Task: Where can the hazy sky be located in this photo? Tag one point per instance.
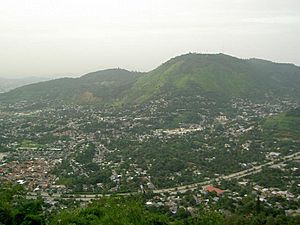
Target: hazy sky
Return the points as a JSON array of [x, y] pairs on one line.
[[72, 37]]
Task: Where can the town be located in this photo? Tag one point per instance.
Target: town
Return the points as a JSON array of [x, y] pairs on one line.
[[70, 149]]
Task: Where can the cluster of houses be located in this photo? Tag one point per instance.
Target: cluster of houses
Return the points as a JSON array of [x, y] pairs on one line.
[[35, 174], [66, 130]]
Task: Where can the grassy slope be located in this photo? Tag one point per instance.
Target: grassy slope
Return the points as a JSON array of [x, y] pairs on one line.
[[94, 87], [286, 125], [222, 74]]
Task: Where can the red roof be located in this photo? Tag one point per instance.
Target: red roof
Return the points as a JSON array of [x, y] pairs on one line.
[[214, 189]]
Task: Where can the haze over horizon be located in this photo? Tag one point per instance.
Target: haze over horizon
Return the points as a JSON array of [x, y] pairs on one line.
[[54, 38]]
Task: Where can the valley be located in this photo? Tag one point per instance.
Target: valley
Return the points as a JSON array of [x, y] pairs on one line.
[[179, 136], [73, 150]]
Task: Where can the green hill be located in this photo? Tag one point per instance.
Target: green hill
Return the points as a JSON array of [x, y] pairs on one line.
[[190, 74], [217, 74], [100, 86], [285, 125]]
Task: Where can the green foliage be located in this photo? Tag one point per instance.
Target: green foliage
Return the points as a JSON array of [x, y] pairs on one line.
[[15, 209], [117, 211], [216, 75], [285, 125], [101, 86], [208, 218]]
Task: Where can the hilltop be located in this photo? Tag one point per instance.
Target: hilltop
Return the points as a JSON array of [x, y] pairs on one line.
[[216, 75], [7, 84], [100, 86]]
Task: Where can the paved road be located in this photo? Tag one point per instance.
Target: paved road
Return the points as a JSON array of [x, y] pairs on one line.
[[236, 175], [182, 189]]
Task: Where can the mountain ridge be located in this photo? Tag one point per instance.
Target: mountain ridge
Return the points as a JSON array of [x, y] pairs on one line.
[[217, 73], [7, 84], [192, 73]]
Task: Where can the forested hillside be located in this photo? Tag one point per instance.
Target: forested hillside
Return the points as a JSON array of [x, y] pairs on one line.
[[215, 75]]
